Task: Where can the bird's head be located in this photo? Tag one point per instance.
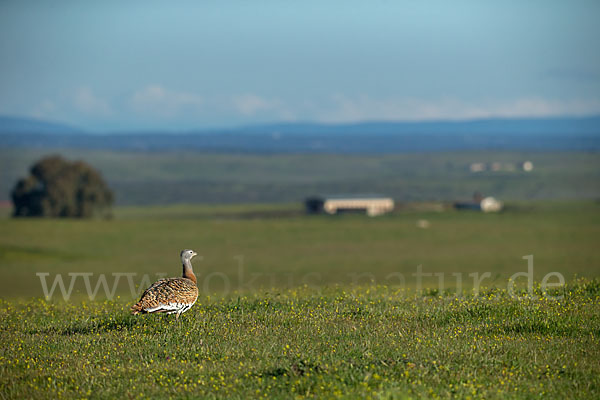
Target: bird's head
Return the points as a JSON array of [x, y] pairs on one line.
[[187, 255]]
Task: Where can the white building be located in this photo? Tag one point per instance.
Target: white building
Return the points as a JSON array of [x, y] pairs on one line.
[[371, 205], [477, 167], [527, 166], [490, 204]]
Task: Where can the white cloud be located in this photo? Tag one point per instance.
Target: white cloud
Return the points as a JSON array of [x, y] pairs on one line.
[[45, 109], [86, 101], [363, 108], [158, 106], [538, 107], [157, 100], [250, 105]]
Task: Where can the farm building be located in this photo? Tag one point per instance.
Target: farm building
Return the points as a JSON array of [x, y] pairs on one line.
[[372, 205], [527, 166], [497, 166], [485, 204]]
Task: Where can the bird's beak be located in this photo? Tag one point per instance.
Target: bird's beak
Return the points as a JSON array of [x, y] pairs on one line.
[[194, 254]]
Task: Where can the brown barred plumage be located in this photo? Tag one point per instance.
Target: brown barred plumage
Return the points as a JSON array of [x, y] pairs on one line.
[[171, 295]]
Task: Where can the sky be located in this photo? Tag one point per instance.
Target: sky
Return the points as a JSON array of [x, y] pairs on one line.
[[184, 65]]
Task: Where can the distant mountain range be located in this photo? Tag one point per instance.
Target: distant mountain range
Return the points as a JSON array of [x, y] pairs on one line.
[[543, 134], [14, 125]]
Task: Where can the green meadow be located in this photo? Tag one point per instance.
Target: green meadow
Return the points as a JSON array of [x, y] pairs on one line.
[[338, 342], [298, 306], [252, 247]]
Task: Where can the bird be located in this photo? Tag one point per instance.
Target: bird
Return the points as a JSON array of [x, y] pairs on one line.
[[171, 295]]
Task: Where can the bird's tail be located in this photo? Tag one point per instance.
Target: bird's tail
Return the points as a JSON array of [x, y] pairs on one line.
[[136, 308]]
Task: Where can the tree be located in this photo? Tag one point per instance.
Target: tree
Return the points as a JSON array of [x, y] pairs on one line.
[[60, 188]]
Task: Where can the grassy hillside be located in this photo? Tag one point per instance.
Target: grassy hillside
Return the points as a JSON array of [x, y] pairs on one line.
[[195, 177]]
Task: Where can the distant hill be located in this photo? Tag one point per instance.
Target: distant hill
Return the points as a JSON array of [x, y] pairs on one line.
[[546, 134], [14, 125], [506, 126]]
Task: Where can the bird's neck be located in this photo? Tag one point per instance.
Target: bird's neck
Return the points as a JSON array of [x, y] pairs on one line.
[[188, 272]]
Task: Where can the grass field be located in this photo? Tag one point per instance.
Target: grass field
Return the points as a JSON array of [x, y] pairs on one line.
[[305, 306], [365, 342], [259, 246]]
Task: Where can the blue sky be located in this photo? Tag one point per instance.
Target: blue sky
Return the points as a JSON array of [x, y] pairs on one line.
[[131, 65]]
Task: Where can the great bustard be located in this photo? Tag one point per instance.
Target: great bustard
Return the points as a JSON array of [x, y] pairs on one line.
[[171, 295]]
